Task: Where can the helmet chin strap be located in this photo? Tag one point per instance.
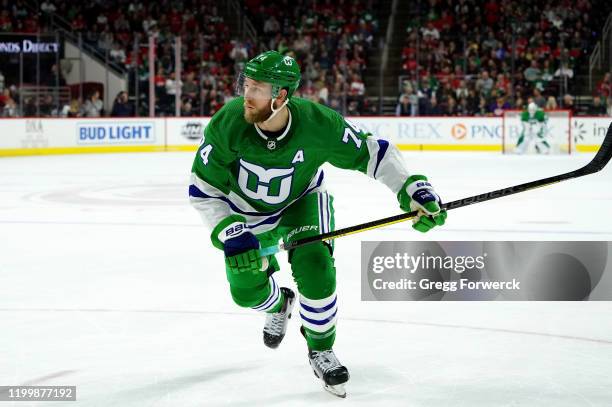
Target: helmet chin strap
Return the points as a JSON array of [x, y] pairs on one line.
[[275, 111]]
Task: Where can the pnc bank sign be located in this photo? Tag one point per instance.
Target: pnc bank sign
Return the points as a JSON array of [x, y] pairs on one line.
[[28, 47], [459, 131]]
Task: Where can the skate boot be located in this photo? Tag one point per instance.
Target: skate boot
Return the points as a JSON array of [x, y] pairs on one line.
[[328, 368], [276, 322]]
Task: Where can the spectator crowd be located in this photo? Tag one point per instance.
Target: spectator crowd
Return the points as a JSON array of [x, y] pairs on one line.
[[330, 39], [456, 59]]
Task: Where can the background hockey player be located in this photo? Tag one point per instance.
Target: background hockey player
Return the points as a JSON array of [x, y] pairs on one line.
[[533, 129], [256, 179]]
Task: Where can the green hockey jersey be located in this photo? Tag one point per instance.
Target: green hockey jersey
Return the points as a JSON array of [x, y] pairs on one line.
[[535, 124], [238, 170]]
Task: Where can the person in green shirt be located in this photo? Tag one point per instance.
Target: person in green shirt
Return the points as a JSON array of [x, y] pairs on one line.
[[533, 128], [257, 179]]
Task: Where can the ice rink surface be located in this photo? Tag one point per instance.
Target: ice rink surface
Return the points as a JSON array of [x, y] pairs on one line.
[[108, 282]]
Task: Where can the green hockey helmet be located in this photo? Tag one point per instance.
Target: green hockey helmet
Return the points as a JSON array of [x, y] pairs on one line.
[[281, 71]]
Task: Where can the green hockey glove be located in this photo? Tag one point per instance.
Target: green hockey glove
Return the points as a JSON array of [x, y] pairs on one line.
[[417, 194]]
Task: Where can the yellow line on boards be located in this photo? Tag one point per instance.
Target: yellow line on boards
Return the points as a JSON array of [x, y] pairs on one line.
[[449, 147], [587, 149], [192, 147], [188, 147], [476, 147]]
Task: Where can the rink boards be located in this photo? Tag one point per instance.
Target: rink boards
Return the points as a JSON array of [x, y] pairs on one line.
[[32, 136]]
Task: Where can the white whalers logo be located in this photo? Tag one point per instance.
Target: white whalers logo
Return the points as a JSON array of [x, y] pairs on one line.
[[269, 185]]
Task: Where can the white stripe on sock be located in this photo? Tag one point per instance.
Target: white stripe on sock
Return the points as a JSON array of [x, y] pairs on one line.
[[272, 299], [323, 302], [319, 328]]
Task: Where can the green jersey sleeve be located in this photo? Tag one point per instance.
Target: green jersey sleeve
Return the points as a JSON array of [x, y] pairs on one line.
[[357, 149], [210, 176], [348, 147], [213, 159]]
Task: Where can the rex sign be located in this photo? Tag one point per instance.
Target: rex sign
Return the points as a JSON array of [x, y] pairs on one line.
[[438, 130]]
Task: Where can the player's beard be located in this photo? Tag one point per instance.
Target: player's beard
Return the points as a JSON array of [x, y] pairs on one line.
[[257, 115]]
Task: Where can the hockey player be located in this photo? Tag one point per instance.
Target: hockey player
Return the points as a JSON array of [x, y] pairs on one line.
[[533, 128], [257, 179]]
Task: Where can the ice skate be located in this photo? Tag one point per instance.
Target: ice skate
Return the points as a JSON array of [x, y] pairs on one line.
[[327, 367], [276, 323]]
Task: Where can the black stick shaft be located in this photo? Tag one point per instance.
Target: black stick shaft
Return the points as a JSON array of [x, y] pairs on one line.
[[597, 163]]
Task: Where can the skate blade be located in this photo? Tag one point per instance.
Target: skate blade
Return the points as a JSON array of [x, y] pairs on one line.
[[337, 390]]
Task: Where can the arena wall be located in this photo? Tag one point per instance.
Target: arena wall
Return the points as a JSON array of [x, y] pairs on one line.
[[32, 136]]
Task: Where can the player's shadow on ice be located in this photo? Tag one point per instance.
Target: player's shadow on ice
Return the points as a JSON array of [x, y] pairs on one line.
[[176, 388], [317, 395]]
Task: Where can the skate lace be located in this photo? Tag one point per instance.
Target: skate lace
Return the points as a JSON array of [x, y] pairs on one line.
[[274, 323], [326, 360]]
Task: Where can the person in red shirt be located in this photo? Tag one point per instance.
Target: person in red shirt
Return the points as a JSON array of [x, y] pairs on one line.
[[160, 78], [503, 84], [445, 22], [5, 22], [78, 24], [491, 12], [4, 97], [190, 22], [604, 86], [253, 5], [30, 24], [176, 21]]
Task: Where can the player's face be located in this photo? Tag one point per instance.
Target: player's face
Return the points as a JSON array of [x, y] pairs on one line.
[[257, 99]]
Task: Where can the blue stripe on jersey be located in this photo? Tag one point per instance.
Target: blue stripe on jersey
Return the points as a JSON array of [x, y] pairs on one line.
[[269, 221], [328, 213], [383, 145], [321, 222], [197, 193]]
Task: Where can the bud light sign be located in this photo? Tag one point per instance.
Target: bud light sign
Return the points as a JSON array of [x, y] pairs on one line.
[[115, 133]]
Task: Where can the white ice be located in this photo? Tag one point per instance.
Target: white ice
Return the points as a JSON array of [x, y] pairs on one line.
[[108, 282]]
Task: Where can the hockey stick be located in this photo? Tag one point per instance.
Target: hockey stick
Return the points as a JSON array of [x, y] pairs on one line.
[[597, 163]]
